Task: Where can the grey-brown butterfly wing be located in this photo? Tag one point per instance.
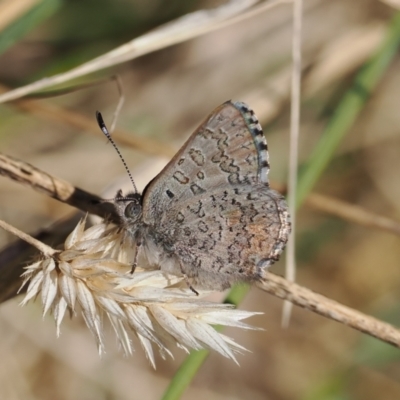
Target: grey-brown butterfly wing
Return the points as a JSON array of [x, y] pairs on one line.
[[227, 235], [228, 148], [211, 207]]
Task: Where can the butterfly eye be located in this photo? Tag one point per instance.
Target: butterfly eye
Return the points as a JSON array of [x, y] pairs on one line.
[[133, 209]]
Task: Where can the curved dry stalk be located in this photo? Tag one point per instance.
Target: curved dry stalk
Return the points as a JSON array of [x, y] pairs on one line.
[[43, 248], [290, 261], [11, 10], [348, 212], [180, 30], [15, 255], [392, 3], [352, 213], [56, 188], [305, 298], [58, 114], [65, 192]]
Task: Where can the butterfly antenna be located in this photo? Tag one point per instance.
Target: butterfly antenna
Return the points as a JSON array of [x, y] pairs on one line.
[[104, 129]]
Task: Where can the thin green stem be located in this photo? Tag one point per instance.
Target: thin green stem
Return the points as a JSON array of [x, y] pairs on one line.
[[188, 369], [31, 19], [347, 111]]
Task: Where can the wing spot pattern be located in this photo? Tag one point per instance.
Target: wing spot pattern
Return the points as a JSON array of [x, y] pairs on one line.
[[197, 157], [196, 189], [181, 177]]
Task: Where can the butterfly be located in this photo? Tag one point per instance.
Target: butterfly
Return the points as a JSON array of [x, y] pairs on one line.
[[210, 214]]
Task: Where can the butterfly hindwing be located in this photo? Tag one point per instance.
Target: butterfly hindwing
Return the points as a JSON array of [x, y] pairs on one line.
[[228, 235]]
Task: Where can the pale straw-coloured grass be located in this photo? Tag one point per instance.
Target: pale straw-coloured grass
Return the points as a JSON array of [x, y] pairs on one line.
[[92, 274]]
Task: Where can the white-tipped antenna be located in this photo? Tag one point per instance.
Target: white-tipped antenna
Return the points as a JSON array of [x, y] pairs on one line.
[[104, 129]]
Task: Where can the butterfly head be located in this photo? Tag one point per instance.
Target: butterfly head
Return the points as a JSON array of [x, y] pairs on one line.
[[129, 207]]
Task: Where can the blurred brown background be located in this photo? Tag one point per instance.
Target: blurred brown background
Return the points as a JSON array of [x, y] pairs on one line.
[[168, 93]]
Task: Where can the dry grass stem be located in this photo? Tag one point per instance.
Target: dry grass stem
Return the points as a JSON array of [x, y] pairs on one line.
[[340, 57], [52, 112], [43, 248], [184, 28], [348, 212], [11, 10], [352, 213], [343, 55], [305, 298], [56, 188], [290, 262], [269, 97], [393, 3], [63, 191]]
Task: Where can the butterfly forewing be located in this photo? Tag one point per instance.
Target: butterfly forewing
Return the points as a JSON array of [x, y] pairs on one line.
[[228, 148]]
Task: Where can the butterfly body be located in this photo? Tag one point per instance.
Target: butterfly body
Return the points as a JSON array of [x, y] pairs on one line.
[[210, 213]]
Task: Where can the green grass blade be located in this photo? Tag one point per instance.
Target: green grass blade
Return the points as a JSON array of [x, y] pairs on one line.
[[185, 374], [20, 27], [346, 113]]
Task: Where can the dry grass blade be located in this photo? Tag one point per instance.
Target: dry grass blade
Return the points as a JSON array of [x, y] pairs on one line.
[[180, 30], [290, 264], [348, 212], [336, 60], [46, 250], [352, 213], [343, 55], [328, 308], [10, 10], [392, 3], [56, 188], [59, 115]]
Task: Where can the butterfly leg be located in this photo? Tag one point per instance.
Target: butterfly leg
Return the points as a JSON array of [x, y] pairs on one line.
[[185, 277], [134, 264]]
